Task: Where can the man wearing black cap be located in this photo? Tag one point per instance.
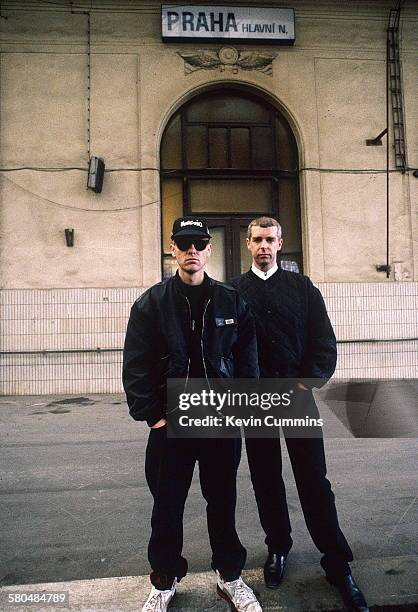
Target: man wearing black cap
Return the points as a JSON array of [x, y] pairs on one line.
[[189, 326]]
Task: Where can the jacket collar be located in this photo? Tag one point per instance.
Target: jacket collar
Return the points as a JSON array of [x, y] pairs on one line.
[[177, 283]]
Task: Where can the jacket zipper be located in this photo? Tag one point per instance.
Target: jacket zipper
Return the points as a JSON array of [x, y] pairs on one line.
[[201, 342], [192, 327]]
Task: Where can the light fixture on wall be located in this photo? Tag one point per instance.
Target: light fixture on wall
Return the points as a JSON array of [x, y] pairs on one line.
[[96, 174], [376, 142], [69, 236], [384, 268]]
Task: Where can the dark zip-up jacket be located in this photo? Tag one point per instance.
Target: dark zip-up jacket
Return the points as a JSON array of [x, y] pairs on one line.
[[157, 344], [294, 334]]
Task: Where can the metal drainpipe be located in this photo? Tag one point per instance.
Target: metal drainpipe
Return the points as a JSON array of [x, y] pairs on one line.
[[387, 154]]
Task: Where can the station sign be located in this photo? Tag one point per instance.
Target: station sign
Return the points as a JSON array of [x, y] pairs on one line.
[[227, 23]]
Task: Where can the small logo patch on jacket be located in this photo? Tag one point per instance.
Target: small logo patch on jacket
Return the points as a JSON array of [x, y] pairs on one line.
[[221, 322]]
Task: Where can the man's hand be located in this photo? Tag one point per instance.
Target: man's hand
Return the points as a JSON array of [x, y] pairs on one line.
[[301, 386], [159, 424]]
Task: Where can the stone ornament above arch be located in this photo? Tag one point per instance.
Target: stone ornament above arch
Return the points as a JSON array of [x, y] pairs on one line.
[[227, 58]]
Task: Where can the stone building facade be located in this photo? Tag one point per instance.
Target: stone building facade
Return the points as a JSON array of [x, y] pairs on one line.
[[227, 129]]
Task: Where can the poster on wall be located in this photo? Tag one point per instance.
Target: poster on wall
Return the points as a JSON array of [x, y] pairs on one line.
[[228, 23]]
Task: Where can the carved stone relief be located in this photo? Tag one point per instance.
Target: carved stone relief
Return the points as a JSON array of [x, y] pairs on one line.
[[228, 58]]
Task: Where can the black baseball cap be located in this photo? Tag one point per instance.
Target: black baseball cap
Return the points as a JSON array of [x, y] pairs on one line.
[[190, 226]]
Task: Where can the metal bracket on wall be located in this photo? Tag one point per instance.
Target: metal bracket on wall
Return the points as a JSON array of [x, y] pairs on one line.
[[376, 142]]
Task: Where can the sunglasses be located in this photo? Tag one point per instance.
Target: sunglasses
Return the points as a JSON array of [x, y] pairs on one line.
[[184, 243]]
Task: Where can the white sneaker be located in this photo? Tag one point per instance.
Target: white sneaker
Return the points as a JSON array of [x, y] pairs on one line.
[[238, 594], [158, 600]]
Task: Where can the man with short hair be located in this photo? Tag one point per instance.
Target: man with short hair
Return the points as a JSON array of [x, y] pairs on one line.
[[295, 340], [186, 327]]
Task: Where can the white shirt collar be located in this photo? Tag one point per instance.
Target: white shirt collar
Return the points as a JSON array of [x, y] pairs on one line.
[[264, 275]]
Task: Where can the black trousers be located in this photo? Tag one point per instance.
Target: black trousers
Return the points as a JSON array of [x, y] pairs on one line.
[[169, 466], [307, 457]]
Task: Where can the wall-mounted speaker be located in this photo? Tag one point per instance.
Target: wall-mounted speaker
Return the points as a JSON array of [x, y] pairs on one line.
[[96, 174], [69, 236]]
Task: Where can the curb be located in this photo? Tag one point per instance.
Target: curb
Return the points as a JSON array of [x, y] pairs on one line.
[[388, 584]]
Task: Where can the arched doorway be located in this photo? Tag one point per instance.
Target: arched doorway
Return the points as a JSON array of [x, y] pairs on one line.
[[230, 155]]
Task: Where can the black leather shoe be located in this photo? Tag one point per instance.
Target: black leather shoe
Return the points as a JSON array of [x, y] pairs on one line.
[[274, 570], [351, 594]]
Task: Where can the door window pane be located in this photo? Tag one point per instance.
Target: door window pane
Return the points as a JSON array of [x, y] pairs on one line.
[[216, 266], [228, 108], [289, 264], [226, 196], [263, 148], [246, 259], [240, 148], [171, 145], [292, 262], [172, 204], [169, 266], [286, 146], [196, 151], [289, 215], [218, 148]]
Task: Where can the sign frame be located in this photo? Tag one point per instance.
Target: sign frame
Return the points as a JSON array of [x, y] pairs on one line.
[[227, 39]]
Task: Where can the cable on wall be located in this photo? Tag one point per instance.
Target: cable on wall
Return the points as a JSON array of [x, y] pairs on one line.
[[93, 210], [88, 84], [153, 169], [87, 13], [71, 168]]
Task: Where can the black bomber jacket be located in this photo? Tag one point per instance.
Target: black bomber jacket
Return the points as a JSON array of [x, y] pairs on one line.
[[157, 340]]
